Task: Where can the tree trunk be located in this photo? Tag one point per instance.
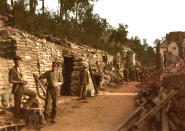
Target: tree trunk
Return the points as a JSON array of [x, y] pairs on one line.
[[66, 15], [158, 58], [61, 10], [43, 6], [34, 6], [11, 2], [164, 117], [3, 4], [31, 6], [77, 13]]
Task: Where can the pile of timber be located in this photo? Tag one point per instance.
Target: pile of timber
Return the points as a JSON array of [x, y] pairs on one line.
[[8, 123], [162, 100]]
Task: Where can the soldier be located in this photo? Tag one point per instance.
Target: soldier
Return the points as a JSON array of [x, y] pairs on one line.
[[125, 74], [19, 89], [137, 72], [131, 74], [165, 59], [84, 81], [54, 81], [141, 75]]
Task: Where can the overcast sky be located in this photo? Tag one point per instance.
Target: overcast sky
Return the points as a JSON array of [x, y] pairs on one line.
[[147, 19]]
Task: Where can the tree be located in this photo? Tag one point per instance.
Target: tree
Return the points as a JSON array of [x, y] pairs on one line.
[[3, 5], [145, 45], [43, 7], [33, 5], [11, 2], [83, 3], [65, 7], [158, 57], [119, 35], [61, 2], [90, 25]]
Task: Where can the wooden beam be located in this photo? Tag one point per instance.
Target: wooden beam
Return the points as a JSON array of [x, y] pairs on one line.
[[155, 110], [164, 117]]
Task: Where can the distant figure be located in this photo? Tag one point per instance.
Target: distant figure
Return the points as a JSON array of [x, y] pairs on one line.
[[98, 77], [19, 89], [125, 74], [84, 81], [165, 59], [54, 81], [137, 72]]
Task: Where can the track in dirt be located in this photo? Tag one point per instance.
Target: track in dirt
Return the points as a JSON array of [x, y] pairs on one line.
[[102, 113]]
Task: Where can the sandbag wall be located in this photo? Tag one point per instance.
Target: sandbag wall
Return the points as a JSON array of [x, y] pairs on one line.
[[37, 56]]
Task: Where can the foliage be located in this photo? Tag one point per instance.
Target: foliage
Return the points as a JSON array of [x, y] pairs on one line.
[[144, 53], [77, 21]]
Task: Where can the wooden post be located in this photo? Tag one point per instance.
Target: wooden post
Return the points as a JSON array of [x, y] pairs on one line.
[[164, 117]]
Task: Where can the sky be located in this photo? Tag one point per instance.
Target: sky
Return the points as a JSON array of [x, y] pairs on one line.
[[147, 19]]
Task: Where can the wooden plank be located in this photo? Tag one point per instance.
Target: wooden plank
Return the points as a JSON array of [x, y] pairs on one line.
[[164, 117], [93, 80], [12, 125], [40, 84], [130, 121], [155, 110]]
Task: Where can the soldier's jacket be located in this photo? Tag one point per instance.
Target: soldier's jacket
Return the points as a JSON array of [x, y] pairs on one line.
[[15, 75], [52, 77], [84, 79]]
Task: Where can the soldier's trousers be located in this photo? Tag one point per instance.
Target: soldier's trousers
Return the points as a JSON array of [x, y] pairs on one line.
[[51, 101], [18, 96], [83, 93]]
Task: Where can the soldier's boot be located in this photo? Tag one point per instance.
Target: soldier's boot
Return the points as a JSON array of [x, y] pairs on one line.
[[53, 120], [46, 117]]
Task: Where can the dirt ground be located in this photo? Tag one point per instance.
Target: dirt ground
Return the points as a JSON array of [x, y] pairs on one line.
[[104, 112]]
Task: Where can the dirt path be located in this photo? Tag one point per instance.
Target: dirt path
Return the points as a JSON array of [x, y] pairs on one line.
[[102, 113]]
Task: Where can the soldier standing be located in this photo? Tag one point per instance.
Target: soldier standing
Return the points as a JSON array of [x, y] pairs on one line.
[[125, 75], [137, 71], [165, 59], [84, 81], [54, 81], [18, 89]]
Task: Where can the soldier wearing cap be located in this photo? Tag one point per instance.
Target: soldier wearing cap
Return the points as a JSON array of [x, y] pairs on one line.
[[84, 81], [54, 81], [18, 89]]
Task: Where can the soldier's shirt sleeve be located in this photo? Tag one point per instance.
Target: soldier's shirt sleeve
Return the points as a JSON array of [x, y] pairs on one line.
[[11, 75], [45, 75]]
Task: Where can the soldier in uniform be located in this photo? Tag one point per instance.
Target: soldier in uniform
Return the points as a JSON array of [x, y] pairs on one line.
[[84, 81], [125, 74], [165, 59], [141, 75], [54, 81], [137, 71], [131, 74], [19, 89]]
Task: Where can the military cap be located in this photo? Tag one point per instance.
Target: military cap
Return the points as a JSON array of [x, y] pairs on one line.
[[17, 58], [55, 63]]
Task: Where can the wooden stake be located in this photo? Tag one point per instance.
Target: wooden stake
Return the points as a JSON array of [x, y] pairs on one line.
[[164, 117]]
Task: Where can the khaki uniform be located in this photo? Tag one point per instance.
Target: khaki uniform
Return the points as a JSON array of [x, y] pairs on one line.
[[84, 81], [126, 75], [19, 90], [137, 72], [53, 92]]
